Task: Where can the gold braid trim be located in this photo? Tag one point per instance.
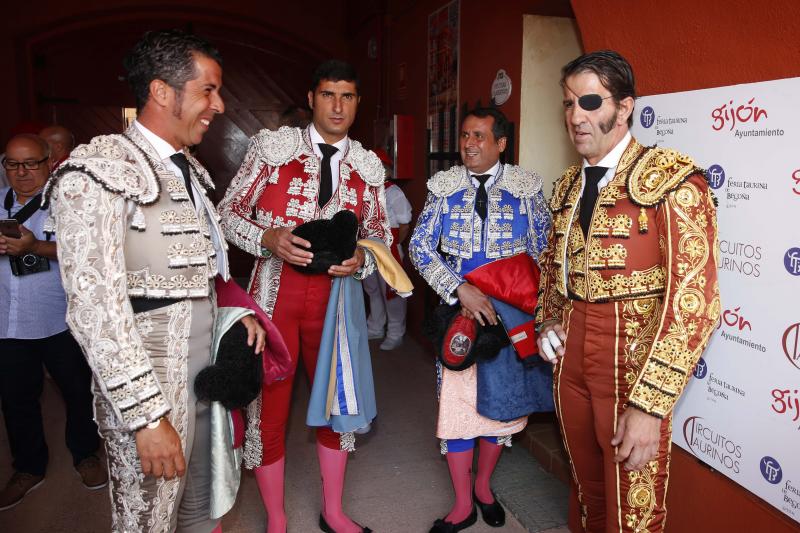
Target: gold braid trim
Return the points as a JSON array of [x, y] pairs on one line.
[[657, 173]]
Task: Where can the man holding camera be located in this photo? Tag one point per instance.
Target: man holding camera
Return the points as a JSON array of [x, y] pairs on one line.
[[33, 332]]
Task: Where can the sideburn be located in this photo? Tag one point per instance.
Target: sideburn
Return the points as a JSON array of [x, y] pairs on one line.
[[176, 109]]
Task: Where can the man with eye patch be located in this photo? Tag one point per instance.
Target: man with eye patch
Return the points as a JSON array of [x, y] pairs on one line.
[[627, 301]]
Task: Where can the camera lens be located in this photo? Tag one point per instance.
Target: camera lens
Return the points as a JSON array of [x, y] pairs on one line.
[[30, 260]]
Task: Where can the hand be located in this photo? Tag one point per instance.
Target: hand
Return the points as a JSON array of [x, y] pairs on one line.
[[551, 341], [160, 451], [348, 266], [289, 247], [638, 435], [24, 245], [254, 333], [475, 304]]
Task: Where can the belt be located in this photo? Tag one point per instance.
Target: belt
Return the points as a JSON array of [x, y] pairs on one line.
[[140, 305]]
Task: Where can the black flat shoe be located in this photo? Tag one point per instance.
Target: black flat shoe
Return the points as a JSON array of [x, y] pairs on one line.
[[492, 513], [440, 526], [323, 525]]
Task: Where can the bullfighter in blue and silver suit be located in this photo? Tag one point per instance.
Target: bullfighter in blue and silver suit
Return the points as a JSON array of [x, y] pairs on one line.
[[476, 214]]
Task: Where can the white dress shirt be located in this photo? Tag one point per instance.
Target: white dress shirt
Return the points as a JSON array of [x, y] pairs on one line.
[[611, 160], [164, 151], [336, 158]]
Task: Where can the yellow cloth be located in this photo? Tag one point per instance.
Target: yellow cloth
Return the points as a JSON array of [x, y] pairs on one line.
[[388, 267]]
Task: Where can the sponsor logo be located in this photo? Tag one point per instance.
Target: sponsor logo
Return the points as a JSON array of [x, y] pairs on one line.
[[710, 446], [796, 178], [739, 327], [791, 496], [786, 402], [647, 117], [791, 344], [700, 369], [719, 388], [741, 257], [733, 115], [792, 261], [771, 470], [716, 176]]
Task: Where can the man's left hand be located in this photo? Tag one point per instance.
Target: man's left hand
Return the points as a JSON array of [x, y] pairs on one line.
[[348, 266], [21, 246], [255, 333], [637, 438]]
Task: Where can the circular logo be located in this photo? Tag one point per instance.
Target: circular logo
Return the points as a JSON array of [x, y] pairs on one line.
[[791, 344], [501, 88], [716, 176], [792, 261], [771, 470], [700, 369], [460, 344], [647, 117]]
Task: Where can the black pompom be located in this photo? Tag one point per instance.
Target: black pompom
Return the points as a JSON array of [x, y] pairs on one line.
[[235, 379]]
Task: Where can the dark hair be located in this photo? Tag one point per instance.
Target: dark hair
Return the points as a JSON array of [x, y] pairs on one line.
[[614, 71], [334, 70], [164, 55], [500, 125], [295, 116]]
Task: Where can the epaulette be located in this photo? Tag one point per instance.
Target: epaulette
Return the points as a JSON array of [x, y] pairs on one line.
[[563, 186], [445, 182], [366, 163], [521, 183], [116, 164], [278, 147], [658, 172]]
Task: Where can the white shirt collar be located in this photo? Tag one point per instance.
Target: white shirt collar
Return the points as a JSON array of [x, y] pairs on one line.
[[611, 159], [162, 147], [316, 138], [494, 172]]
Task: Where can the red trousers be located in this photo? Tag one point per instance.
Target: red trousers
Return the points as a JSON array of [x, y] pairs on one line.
[[299, 315], [605, 349]]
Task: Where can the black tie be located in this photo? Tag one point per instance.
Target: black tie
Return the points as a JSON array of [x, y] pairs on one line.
[[180, 160], [593, 177], [326, 183], [481, 198]]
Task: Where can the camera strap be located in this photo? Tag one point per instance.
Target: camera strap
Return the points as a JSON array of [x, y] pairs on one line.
[[27, 211]]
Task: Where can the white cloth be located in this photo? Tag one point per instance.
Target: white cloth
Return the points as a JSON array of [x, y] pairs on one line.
[[164, 151], [32, 306], [611, 160], [398, 208], [336, 158]]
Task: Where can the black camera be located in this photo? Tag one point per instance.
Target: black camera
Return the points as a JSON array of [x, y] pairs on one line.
[[28, 264]]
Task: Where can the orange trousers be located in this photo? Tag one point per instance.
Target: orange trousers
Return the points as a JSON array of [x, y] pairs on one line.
[[605, 349]]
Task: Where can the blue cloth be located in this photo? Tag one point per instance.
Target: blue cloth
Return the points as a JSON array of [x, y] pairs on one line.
[[463, 445], [507, 388], [344, 335], [32, 306]]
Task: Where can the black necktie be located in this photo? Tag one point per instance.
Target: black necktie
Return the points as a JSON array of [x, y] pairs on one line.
[[326, 183], [180, 160], [481, 198], [593, 177]]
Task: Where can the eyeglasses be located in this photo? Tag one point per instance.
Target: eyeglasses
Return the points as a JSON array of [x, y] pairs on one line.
[[10, 164]]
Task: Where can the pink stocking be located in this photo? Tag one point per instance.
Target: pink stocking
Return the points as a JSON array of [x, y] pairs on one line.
[[488, 456], [270, 484], [332, 466], [460, 465]]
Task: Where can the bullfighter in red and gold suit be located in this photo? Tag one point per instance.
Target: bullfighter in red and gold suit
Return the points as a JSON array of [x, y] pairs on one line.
[[628, 299], [291, 176]]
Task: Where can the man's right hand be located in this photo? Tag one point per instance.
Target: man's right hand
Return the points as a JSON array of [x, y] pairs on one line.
[[551, 341], [289, 247], [160, 451], [476, 304]]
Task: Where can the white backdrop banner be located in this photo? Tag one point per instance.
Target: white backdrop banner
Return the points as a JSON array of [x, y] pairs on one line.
[[740, 413]]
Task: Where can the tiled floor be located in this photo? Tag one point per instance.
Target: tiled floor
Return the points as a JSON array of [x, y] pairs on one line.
[[397, 482]]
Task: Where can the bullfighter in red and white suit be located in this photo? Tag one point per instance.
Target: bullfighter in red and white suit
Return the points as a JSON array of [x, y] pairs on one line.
[[291, 176]]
